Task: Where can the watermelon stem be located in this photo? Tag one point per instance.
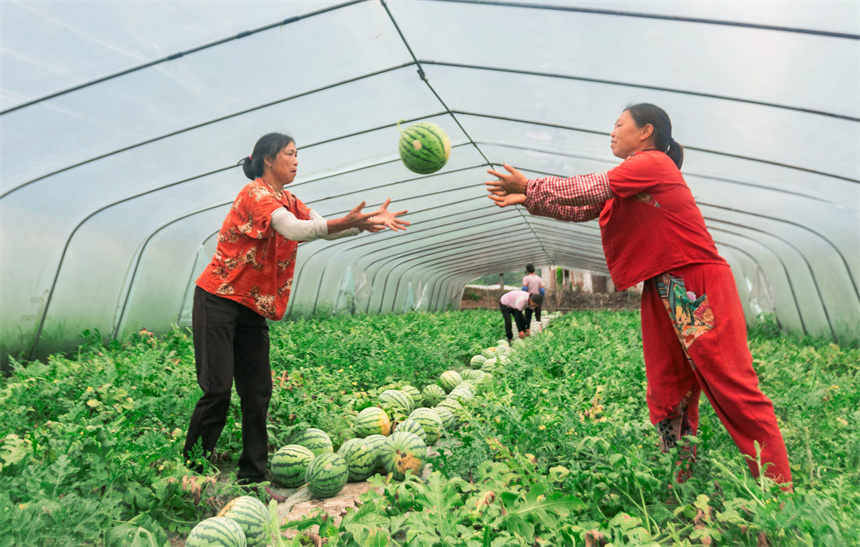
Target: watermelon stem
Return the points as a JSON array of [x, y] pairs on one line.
[[398, 124]]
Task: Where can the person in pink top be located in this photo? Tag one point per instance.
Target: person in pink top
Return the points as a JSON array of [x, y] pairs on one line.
[[532, 284], [512, 304]]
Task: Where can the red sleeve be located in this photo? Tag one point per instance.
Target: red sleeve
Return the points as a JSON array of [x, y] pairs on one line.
[[575, 199], [637, 174], [563, 212]]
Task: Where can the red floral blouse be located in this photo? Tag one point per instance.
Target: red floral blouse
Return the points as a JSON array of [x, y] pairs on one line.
[[253, 264]]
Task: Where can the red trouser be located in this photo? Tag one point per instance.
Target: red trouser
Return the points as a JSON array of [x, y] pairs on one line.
[[701, 345]]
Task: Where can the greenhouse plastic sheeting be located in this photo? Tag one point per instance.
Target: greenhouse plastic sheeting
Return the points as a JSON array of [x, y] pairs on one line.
[[122, 123]]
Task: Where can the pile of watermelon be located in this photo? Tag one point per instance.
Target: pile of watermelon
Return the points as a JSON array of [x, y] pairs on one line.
[[391, 437]]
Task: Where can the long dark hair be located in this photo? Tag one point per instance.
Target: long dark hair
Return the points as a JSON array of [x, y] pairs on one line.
[[269, 146], [645, 113]]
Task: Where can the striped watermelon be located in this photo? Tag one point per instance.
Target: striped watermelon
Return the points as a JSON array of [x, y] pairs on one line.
[[449, 380], [327, 475], [315, 440], [489, 353], [455, 407], [396, 401], [413, 392], [376, 442], [477, 361], [361, 456], [289, 464], [404, 453], [449, 421], [470, 374], [463, 392], [502, 343], [424, 147], [433, 394], [372, 421], [489, 366], [413, 427], [476, 385], [252, 515], [430, 422], [216, 532]]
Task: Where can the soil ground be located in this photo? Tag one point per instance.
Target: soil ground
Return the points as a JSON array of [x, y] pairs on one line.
[[563, 301]]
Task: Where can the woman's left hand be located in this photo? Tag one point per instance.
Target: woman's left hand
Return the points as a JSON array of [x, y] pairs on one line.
[[383, 218], [512, 183]]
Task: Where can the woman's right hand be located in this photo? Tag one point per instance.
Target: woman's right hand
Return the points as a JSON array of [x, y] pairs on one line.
[[388, 219], [376, 221], [357, 219]]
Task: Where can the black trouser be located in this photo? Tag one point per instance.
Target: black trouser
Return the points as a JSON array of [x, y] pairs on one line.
[[231, 342], [507, 311], [529, 316]]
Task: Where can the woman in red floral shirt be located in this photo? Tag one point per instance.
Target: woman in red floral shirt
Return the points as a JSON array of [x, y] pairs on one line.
[[693, 326], [249, 281]]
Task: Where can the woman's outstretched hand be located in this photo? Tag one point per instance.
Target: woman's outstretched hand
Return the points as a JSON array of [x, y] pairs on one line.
[[512, 182], [383, 218], [510, 199], [357, 219]]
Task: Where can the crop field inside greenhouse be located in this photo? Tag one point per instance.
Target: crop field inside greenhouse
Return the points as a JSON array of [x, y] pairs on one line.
[[556, 450], [429, 273]]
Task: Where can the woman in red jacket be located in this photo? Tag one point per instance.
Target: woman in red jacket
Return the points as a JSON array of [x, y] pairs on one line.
[[693, 327], [248, 282]]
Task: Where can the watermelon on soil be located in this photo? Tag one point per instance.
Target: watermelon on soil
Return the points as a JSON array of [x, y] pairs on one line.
[[361, 456], [449, 420], [489, 353], [252, 515], [372, 421], [489, 365], [463, 392], [471, 374], [404, 453], [433, 394], [376, 442], [477, 361], [430, 421], [327, 475], [216, 531], [289, 464], [413, 392], [413, 427], [396, 401], [315, 440], [449, 380], [424, 147]]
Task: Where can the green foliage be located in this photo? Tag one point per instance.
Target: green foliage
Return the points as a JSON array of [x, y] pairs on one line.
[[559, 448]]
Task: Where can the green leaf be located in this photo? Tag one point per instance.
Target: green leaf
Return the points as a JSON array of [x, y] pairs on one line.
[[14, 450]]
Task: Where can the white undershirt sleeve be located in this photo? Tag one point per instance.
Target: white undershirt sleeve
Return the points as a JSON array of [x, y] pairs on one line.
[[286, 224], [337, 235]]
